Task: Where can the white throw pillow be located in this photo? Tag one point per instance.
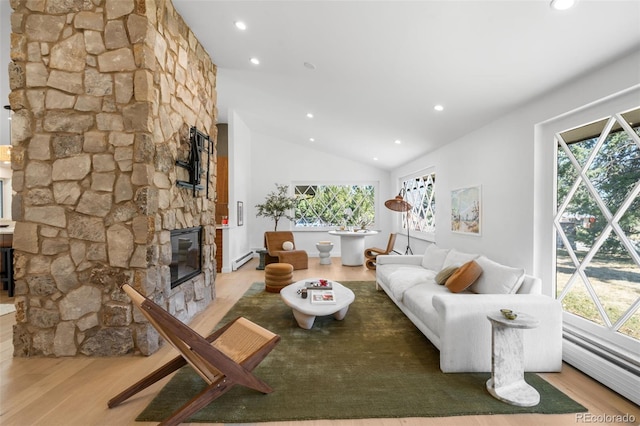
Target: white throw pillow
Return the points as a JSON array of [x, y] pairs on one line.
[[497, 278], [434, 257], [287, 246], [457, 258]]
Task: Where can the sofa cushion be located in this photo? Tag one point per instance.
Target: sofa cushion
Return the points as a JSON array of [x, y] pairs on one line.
[[418, 300], [466, 275], [384, 272], [407, 277], [434, 257], [457, 258], [444, 274], [497, 278]]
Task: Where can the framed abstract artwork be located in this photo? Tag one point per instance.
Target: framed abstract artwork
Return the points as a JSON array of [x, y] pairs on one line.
[[466, 210]]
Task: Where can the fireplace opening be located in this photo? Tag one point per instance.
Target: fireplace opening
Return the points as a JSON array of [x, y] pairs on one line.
[[186, 261]]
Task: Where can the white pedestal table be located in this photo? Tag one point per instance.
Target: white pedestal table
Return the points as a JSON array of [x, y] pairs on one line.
[[352, 246]]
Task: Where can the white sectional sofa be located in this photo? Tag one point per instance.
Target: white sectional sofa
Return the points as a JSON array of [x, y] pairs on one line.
[[456, 323]]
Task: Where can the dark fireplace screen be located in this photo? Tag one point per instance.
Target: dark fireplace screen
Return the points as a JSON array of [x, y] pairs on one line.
[[185, 254]]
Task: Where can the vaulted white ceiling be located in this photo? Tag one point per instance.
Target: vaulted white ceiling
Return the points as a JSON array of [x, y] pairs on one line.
[[381, 66]]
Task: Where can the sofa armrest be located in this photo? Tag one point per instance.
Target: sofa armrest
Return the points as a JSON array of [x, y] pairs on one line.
[[465, 331], [530, 285], [411, 259]]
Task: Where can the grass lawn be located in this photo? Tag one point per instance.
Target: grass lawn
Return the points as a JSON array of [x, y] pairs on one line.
[[615, 280]]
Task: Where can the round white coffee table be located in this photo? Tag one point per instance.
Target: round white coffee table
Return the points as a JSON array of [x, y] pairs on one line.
[[306, 312]]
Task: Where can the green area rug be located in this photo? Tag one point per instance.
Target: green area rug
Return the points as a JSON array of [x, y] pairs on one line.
[[373, 364]]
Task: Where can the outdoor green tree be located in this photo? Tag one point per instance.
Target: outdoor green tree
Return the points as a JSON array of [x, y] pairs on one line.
[[335, 205], [614, 172]]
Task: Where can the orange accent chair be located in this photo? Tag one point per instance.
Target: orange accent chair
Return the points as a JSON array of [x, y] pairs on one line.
[[276, 253], [371, 253], [225, 358]]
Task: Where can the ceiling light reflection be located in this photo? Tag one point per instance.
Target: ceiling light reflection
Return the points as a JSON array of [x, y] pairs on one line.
[[562, 4]]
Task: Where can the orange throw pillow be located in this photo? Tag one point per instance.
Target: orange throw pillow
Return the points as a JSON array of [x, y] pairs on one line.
[[466, 275]]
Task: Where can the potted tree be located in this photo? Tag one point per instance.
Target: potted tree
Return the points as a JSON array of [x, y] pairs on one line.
[[276, 205]]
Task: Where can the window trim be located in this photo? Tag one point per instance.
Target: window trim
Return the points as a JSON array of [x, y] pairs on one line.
[[545, 190], [607, 334]]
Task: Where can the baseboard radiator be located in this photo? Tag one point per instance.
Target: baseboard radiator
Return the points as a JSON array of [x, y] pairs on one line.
[[241, 260], [620, 376]]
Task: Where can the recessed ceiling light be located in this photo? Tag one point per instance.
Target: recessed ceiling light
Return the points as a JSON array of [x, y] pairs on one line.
[[398, 141], [309, 65], [255, 61], [312, 140], [375, 158], [309, 115], [438, 108], [240, 25], [562, 4]]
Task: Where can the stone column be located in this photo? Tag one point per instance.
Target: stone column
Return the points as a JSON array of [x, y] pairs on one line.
[[103, 94]]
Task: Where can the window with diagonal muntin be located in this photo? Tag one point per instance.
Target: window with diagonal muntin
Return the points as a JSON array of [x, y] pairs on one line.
[[332, 206], [597, 222], [420, 193]]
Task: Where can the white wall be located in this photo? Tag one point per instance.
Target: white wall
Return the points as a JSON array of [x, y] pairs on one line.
[[5, 129], [5, 134], [5, 30], [6, 175], [495, 158], [236, 238], [500, 157], [277, 161], [612, 89], [590, 93]]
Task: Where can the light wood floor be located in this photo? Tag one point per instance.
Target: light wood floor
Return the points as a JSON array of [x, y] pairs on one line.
[[75, 391]]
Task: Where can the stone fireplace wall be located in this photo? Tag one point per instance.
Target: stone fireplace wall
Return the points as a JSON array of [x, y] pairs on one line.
[[103, 93]]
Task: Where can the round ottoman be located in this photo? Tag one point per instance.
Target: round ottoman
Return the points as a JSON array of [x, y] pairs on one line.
[[277, 276]]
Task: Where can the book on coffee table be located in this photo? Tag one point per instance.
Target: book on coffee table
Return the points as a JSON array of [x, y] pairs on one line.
[[318, 285], [322, 297]]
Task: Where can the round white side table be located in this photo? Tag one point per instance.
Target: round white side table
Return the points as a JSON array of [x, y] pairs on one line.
[[507, 360], [324, 249]]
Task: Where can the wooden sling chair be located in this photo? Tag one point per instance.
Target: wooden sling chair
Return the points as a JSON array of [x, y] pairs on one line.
[[225, 358]]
